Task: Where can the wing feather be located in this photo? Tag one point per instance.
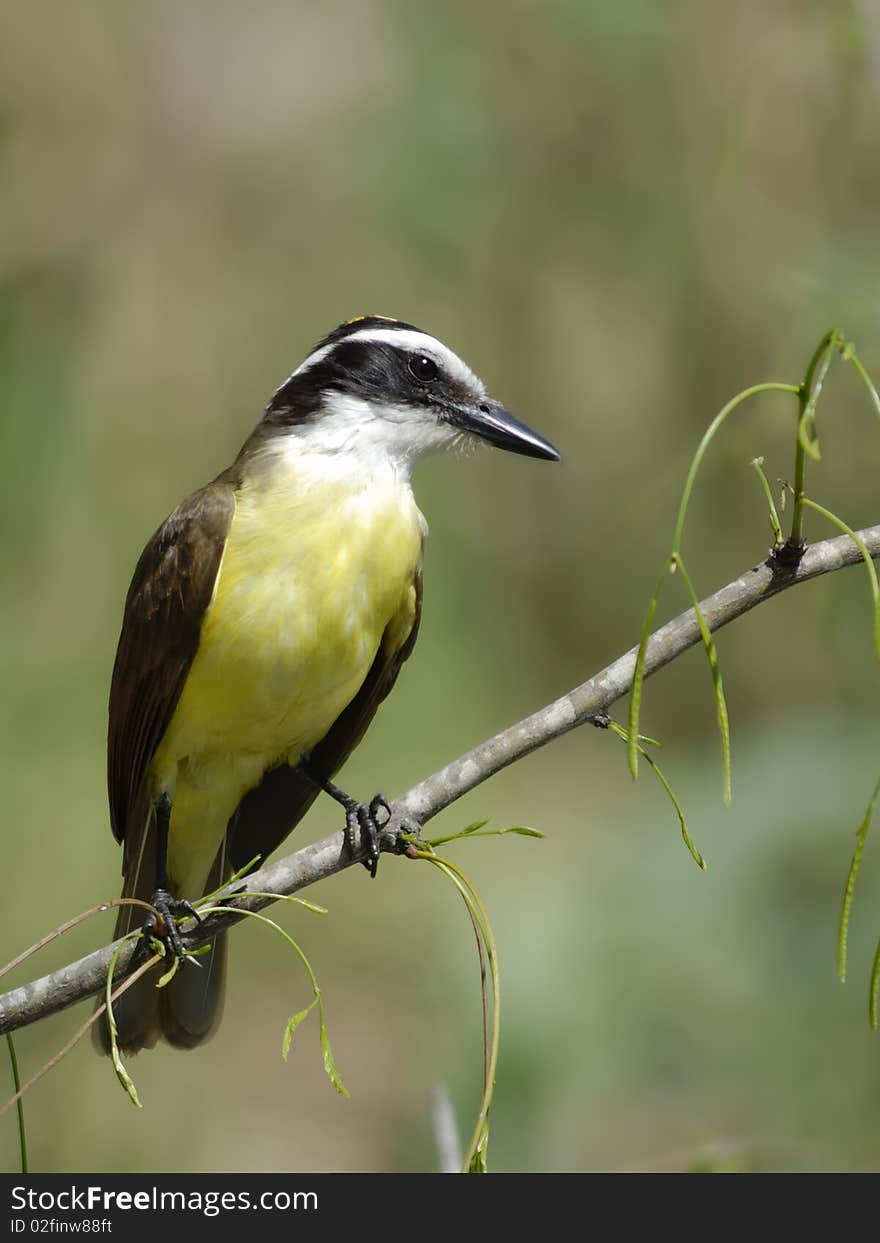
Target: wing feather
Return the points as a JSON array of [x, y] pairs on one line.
[[166, 603]]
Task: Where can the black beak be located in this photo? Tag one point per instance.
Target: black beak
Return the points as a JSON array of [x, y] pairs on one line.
[[490, 421]]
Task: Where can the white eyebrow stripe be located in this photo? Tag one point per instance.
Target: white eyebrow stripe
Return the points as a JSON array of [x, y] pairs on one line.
[[410, 339], [415, 341], [315, 357]]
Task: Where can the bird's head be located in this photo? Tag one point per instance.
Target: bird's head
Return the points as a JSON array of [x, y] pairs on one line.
[[381, 385]]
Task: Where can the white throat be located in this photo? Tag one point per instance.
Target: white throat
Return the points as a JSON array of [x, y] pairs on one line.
[[369, 433]]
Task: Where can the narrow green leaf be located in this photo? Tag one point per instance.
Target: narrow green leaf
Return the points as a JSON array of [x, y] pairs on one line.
[[686, 837], [290, 897], [329, 1064], [169, 974], [635, 702], [475, 1158], [715, 669], [314, 907], [472, 828], [709, 435], [848, 353], [849, 891], [775, 525], [121, 1073], [635, 695], [461, 884], [643, 739], [874, 989], [292, 1024], [806, 430], [242, 871], [621, 733], [477, 1163], [270, 923], [806, 434], [467, 832], [521, 829], [866, 557], [805, 437], [125, 1078]]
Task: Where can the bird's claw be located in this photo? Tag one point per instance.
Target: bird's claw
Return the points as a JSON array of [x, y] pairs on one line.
[[364, 823], [162, 926]]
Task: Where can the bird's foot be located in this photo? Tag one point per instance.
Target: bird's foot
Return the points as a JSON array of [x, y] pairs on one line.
[[367, 825], [364, 823], [162, 926]]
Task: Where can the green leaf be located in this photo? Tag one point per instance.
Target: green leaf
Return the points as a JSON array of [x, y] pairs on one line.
[[715, 670], [330, 1065], [775, 525], [849, 891], [679, 811], [866, 557], [474, 831], [124, 1077], [292, 1025], [242, 871], [475, 1158], [874, 991], [169, 974], [289, 897], [314, 907], [812, 388], [635, 702], [635, 695], [848, 353], [621, 733], [806, 434], [477, 1163], [121, 1073], [469, 831]]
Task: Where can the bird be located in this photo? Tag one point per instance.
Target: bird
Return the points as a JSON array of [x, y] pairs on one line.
[[266, 620]]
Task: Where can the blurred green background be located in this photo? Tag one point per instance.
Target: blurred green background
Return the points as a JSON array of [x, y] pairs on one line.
[[620, 214]]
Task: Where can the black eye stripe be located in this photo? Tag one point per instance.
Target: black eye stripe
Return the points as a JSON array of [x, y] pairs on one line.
[[422, 368]]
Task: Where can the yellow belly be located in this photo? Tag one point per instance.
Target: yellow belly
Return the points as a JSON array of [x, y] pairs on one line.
[[315, 568]]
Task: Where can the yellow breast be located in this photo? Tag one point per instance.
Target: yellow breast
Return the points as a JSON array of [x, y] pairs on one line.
[[317, 564]]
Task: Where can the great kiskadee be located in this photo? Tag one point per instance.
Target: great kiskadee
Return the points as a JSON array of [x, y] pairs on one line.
[[267, 619]]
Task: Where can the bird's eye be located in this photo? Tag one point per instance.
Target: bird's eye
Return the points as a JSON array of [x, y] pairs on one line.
[[422, 368]]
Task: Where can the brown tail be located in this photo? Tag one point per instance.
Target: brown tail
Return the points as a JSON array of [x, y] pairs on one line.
[[187, 1010]]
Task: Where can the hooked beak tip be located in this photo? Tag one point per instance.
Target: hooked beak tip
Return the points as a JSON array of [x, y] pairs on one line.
[[492, 423]]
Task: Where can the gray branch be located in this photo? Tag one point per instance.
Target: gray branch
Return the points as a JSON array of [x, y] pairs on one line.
[[312, 863]]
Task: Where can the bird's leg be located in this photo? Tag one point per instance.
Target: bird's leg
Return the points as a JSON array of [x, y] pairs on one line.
[[165, 928], [363, 821]]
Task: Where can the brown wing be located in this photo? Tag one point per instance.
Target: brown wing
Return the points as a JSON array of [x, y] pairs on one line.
[[166, 602], [270, 811]]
